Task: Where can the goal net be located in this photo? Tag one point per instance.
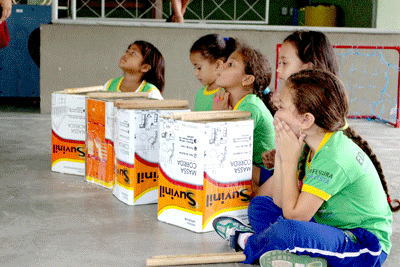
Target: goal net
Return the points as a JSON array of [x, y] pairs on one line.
[[371, 75]]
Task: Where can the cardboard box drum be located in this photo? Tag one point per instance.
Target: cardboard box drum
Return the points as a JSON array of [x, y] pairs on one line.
[[68, 130], [137, 148], [205, 168], [100, 158]]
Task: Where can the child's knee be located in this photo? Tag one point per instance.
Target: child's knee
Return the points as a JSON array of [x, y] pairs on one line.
[[259, 205], [283, 233]]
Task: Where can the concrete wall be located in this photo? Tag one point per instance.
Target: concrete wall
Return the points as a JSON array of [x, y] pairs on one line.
[[388, 16], [79, 55]]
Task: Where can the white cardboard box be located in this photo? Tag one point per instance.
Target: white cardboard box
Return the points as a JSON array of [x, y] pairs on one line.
[[205, 171], [137, 152], [68, 126]]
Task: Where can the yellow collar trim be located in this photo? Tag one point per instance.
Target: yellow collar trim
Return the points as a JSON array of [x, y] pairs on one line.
[[141, 86], [238, 103], [323, 142], [210, 92]]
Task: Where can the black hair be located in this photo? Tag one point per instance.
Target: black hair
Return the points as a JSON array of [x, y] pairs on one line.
[[153, 57], [256, 64], [314, 47], [213, 47]]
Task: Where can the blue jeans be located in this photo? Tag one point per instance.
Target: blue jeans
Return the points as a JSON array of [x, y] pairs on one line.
[[353, 247]]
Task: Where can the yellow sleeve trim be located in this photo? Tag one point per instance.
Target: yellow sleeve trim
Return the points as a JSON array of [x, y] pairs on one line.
[[315, 191], [119, 84], [108, 84]]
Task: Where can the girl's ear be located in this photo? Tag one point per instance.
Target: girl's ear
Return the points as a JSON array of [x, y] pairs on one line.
[[219, 65], [145, 68], [248, 80], [307, 121]]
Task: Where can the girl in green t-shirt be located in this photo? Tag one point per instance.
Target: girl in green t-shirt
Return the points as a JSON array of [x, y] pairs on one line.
[[207, 55], [330, 204], [245, 76], [144, 69]]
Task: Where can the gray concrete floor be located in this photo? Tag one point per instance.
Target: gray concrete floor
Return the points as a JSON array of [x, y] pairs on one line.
[[53, 219]]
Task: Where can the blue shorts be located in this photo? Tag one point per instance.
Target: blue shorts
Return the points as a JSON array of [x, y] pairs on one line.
[[340, 247], [265, 174]]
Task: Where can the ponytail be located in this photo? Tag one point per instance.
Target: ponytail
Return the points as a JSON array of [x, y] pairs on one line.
[[266, 97]]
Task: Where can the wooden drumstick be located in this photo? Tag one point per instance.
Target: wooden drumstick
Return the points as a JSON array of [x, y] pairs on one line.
[[111, 95], [84, 89], [192, 255], [168, 260], [211, 115], [151, 104]]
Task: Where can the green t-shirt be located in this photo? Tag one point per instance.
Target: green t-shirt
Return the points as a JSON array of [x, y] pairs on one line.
[[264, 134], [114, 85], [344, 176], [204, 99]]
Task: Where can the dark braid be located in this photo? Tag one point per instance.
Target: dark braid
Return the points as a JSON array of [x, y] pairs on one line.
[[349, 132], [303, 163], [256, 64], [267, 99]]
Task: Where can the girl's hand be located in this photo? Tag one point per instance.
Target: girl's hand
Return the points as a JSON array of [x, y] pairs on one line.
[[221, 100], [268, 158], [287, 144]]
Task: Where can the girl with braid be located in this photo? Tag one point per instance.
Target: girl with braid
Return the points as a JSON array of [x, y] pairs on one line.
[[244, 77], [330, 205]]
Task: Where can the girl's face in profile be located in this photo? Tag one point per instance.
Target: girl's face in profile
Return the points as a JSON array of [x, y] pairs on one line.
[[232, 74], [204, 70], [132, 60], [289, 62], [286, 110]]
